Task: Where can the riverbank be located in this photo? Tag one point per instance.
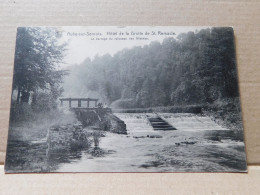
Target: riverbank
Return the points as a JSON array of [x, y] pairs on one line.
[[198, 145], [193, 147], [52, 142]]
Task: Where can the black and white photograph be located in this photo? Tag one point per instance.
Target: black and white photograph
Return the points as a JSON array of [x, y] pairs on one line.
[[125, 99]]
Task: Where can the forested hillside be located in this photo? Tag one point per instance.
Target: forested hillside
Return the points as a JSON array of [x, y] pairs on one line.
[[194, 68]]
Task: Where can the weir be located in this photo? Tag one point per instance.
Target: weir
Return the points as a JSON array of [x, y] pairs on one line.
[[159, 124]]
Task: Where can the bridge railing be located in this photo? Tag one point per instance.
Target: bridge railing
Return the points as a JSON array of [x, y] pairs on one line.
[[79, 100]]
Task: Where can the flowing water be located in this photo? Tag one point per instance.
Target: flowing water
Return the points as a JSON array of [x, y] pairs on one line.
[[198, 145]]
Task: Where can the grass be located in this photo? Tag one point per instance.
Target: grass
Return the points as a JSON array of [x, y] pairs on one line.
[[37, 129], [226, 113]]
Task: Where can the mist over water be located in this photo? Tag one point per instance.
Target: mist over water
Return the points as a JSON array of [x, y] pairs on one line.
[[176, 90]]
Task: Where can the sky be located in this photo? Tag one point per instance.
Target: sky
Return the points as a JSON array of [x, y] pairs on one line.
[[87, 42]]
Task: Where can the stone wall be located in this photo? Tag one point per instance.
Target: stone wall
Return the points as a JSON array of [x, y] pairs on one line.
[[116, 125], [63, 141], [101, 119], [70, 139]]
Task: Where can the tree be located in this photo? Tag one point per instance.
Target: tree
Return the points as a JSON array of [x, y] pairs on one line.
[[38, 52], [194, 68]]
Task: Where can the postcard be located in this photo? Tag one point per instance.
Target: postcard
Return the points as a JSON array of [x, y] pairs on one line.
[[125, 99]]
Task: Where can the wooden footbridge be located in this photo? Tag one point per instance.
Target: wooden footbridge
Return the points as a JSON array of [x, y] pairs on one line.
[[80, 106], [79, 100], [96, 115]]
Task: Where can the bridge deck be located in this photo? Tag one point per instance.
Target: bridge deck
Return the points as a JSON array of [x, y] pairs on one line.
[[91, 109]]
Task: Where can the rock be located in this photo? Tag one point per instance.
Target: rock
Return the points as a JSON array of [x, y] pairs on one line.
[[185, 142], [139, 137], [54, 128], [155, 136], [96, 128], [63, 127], [217, 138]]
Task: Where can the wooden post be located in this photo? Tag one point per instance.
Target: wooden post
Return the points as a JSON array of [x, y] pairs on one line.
[[79, 103], [88, 103], [70, 102], [61, 102]]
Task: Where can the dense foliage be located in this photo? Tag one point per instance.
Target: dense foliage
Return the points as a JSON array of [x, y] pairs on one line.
[[36, 84], [35, 69], [194, 68]]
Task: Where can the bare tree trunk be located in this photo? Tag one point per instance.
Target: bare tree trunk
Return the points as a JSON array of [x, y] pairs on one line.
[[18, 96], [25, 96]]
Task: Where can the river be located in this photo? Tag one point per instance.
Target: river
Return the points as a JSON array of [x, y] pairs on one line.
[[198, 145]]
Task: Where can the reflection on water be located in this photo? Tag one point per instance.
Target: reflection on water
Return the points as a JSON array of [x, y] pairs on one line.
[[173, 151], [225, 135], [23, 156], [62, 156]]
